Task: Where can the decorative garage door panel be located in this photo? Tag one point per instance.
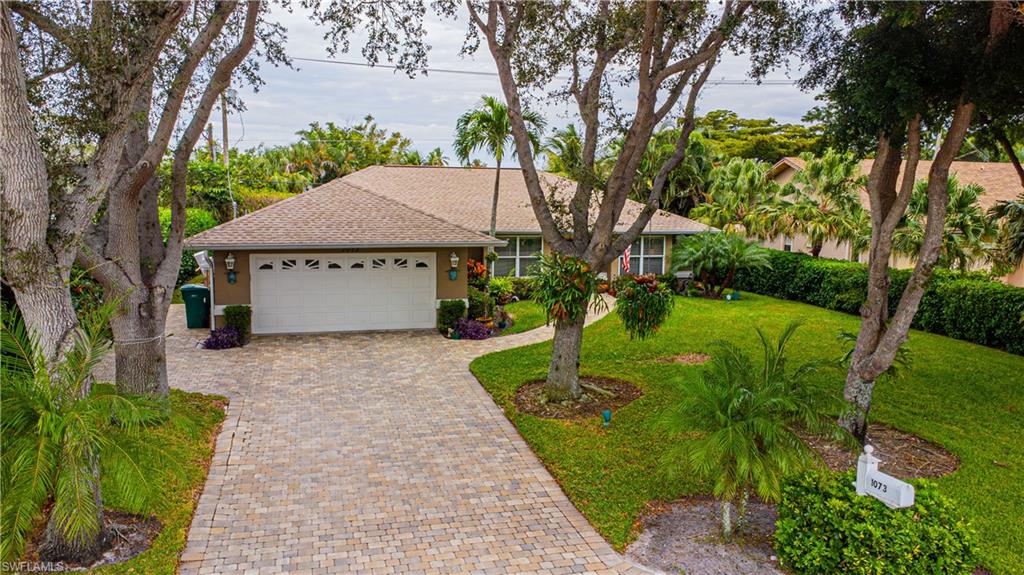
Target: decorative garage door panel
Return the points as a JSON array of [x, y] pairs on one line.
[[342, 292]]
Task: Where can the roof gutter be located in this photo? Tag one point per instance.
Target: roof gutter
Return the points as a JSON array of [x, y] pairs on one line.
[[251, 247]]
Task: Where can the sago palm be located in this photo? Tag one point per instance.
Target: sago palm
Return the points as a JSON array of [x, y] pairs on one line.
[[58, 436], [827, 201], [489, 128], [751, 417]]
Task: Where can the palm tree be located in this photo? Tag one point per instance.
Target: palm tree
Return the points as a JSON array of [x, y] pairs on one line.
[[1009, 216], [827, 202], [742, 198], [715, 258], [687, 184], [488, 128], [752, 417], [564, 151], [967, 234], [55, 430]]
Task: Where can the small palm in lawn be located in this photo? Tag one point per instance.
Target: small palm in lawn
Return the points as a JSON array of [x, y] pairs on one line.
[[751, 416], [714, 259], [58, 436], [488, 128]]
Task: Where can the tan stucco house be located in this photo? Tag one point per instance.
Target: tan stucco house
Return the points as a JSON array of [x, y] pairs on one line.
[[998, 178], [375, 249]]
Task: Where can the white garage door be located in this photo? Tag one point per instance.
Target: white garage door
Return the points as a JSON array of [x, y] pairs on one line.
[[342, 292]]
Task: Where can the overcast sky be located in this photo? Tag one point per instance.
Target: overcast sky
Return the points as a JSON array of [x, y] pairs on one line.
[[425, 109]]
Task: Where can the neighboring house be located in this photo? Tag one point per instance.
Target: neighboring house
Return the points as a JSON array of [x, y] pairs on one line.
[[998, 178], [374, 249]]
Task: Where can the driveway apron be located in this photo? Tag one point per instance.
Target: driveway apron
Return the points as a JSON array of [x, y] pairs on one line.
[[372, 453]]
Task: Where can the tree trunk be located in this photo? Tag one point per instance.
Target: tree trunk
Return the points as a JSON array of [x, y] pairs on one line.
[[727, 519], [35, 273], [140, 356], [816, 248], [857, 394], [564, 372], [84, 550], [494, 200]]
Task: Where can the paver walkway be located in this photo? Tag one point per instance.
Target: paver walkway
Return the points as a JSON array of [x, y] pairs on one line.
[[372, 453]]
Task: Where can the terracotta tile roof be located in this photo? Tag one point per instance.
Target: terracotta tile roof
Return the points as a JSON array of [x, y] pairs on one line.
[[337, 214], [998, 178], [464, 195]]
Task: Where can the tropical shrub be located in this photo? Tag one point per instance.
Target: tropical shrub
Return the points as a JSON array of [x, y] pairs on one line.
[[223, 338], [59, 435], [501, 289], [240, 318], [751, 416], [715, 258], [251, 200], [565, 287], [968, 306], [476, 274], [643, 304], [825, 527], [479, 302], [448, 313], [196, 220], [471, 329], [523, 287]]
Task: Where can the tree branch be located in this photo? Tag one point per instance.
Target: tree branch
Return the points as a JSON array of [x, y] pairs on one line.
[[168, 268], [147, 164]]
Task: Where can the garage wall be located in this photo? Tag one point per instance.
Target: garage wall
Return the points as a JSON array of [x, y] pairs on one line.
[[238, 292]]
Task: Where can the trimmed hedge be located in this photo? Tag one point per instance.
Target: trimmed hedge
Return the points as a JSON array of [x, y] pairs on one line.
[[967, 306], [449, 312], [239, 317], [825, 527]]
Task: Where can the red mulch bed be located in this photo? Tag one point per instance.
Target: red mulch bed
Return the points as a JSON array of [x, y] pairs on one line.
[[529, 398]]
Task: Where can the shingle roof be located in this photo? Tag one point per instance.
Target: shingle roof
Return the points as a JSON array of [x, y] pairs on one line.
[[337, 214], [998, 178], [464, 195]]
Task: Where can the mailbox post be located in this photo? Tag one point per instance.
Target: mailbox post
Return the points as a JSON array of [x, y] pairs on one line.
[[894, 493]]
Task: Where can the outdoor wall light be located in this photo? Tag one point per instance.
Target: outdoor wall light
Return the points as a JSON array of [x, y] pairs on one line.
[[453, 273], [229, 263], [606, 415]]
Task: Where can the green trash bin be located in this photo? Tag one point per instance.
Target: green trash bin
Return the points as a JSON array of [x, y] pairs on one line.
[[197, 305]]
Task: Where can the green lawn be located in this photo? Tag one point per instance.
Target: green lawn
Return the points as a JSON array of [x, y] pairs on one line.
[[186, 438], [966, 397], [527, 315]]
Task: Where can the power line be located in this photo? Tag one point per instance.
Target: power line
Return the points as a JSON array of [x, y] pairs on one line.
[[721, 82]]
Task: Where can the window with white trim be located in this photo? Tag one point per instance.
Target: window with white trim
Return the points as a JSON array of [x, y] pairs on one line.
[[647, 256], [516, 258], [787, 244]]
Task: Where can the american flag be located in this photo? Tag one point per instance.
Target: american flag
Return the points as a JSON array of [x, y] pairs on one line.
[[625, 259]]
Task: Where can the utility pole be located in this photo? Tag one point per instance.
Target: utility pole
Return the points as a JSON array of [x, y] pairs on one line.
[[209, 141], [224, 128], [225, 158]]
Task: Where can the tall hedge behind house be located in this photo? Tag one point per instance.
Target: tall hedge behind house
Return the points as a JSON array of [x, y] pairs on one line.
[[966, 306]]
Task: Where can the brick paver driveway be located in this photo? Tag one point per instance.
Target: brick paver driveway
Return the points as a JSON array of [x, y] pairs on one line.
[[373, 453]]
